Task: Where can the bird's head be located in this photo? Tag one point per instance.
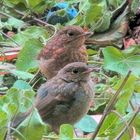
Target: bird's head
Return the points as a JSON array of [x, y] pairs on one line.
[[75, 72], [73, 36]]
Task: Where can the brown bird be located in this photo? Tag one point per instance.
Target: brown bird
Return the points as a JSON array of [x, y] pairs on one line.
[[65, 98], [65, 47]]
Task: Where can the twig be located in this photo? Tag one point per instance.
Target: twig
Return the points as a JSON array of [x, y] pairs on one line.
[[40, 21], [119, 10], [124, 121], [134, 133], [5, 14], [95, 62], [18, 132], [36, 19], [35, 78], [129, 123], [8, 135], [10, 38], [53, 137], [110, 105], [99, 42], [17, 49], [36, 82], [132, 106]]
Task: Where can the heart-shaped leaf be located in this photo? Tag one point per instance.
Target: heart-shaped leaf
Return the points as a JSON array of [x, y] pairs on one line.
[[27, 58], [115, 60]]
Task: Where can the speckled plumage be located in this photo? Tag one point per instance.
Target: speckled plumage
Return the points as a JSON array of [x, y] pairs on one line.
[[63, 49]]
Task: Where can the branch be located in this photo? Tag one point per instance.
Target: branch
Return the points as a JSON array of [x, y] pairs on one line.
[[110, 105], [10, 38], [129, 123]]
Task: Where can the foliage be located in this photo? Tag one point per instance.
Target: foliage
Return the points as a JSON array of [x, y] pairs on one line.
[[120, 62], [18, 17]]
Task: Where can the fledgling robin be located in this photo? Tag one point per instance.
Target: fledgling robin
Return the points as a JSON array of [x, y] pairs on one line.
[[65, 47], [65, 98]]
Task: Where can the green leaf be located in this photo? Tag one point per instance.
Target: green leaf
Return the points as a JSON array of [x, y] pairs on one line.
[[135, 5], [120, 124], [132, 50], [3, 124], [114, 3], [22, 75], [42, 6], [32, 32], [125, 95], [137, 86], [93, 13], [27, 57], [32, 128], [12, 1], [135, 100], [115, 60], [112, 126], [136, 123], [78, 20], [13, 102], [91, 52], [10, 109], [20, 84], [33, 3], [104, 23], [109, 124], [66, 132], [87, 124], [16, 23], [22, 99]]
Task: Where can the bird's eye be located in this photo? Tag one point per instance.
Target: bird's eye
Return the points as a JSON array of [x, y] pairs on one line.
[[75, 71], [70, 33]]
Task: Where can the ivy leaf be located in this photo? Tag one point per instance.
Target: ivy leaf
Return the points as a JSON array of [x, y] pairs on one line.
[[66, 132], [32, 32], [16, 23], [12, 1], [87, 124], [32, 128], [112, 126], [27, 58], [20, 84], [104, 23], [13, 102], [93, 13], [126, 94], [3, 124], [22, 99], [137, 124], [115, 60], [22, 74]]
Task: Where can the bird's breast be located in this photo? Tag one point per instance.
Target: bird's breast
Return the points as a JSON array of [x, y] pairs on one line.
[[69, 55]]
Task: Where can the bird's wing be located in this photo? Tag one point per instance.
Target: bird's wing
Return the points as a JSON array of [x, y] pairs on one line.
[[46, 102]]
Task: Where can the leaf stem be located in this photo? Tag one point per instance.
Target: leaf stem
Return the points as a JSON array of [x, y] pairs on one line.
[[53, 137], [95, 62], [110, 105], [10, 38], [129, 123]]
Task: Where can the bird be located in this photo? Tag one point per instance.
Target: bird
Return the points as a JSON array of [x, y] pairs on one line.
[[65, 98], [65, 47]]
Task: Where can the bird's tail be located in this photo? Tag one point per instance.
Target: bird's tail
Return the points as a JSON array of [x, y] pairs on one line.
[[18, 119]]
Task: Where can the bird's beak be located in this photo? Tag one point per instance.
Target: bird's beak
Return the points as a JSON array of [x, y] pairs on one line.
[[91, 69], [88, 34]]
